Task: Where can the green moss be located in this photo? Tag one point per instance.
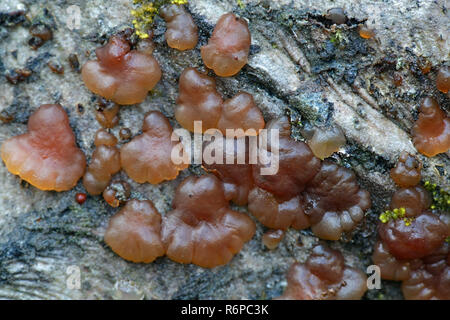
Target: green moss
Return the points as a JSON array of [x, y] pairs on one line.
[[441, 198], [397, 213]]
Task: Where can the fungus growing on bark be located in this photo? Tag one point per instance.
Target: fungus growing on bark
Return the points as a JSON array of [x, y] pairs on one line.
[[241, 112], [117, 193], [120, 74], [334, 202], [297, 164], [182, 33], [326, 141], [272, 238], [406, 172], [46, 156], [431, 131], [365, 32], [324, 276], [227, 49], [237, 177], [430, 280], [443, 79], [391, 268], [147, 157], [134, 232], [336, 15], [199, 100], [414, 200], [201, 229], [104, 164], [107, 113]]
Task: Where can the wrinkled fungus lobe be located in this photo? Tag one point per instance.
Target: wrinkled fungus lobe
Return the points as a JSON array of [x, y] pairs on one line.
[[406, 173], [324, 276], [120, 74], [46, 156], [272, 238], [391, 268], [147, 157], [431, 131], [443, 79], [134, 232], [201, 229], [334, 202], [104, 164], [182, 33], [326, 141], [199, 100], [227, 49]]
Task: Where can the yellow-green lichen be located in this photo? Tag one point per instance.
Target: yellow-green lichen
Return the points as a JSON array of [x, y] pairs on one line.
[[397, 213], [441, 198], [145, 12]]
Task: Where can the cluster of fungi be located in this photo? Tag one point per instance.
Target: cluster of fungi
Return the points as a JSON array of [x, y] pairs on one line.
[[307, 191]]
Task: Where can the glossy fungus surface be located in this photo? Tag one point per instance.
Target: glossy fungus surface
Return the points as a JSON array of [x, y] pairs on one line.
[[324, 276], [431, 131], [337, 15], [107, 113], [227, 49], [147, 157], [443, 79], [430, 280], [198, 100], [326, 141], [181, 33], [297, 164], [415, 200], [120, 74], [406, 173], [272, 238], [134, 232], [201, 229], [46, 156], [334, 202], [104, 164]]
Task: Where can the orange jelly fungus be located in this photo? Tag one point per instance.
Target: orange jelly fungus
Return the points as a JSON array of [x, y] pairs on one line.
[[391, 268], [415, 200], [201, 229], [227, 50], [406, 173], [431, 131], [326, 141], [182, 33], [324, 276], [104, 164], [443, 79], [199, 101], [147, 157], [134, 232], [272, 238], [120, 74], [237, 177], [107, 113], [46, 156], [365, 32], [334, 202]]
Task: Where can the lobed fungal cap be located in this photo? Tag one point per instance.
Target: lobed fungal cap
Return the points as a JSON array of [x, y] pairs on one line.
[[46, 156]]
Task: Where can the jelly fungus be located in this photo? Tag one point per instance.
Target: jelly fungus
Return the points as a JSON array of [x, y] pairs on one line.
[[199, 101], [416, 239], [134, 232], [414, 200], [326, 141], [120, 74], [117, 193], [391, 268], [237, 178], [182, 33], [227, 50], [107, 113], [201, 229], [334, 202], [431, 131], [147, 157], [431, 279], [80, 197], [46, 156], [324, 276], [406, 173], [443, 79], [365, 32], [104, 164], [272, 238], [336, 15], [297, 164]]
